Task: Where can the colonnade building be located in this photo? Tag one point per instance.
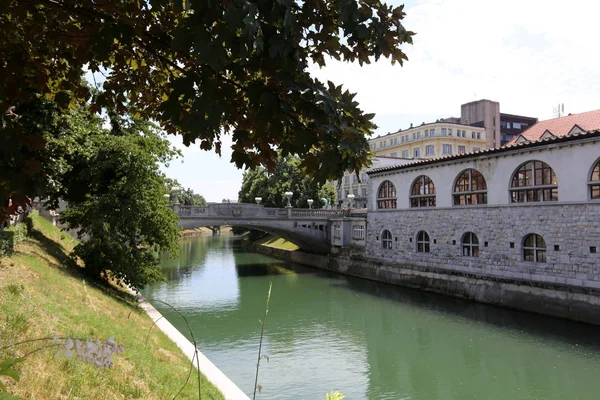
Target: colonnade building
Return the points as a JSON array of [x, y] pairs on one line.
[[530, 211]]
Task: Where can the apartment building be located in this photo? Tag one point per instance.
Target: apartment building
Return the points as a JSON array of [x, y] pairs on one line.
[[430, 140]]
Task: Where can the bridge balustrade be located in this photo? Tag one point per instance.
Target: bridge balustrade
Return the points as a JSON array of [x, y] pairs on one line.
[[254, 211]]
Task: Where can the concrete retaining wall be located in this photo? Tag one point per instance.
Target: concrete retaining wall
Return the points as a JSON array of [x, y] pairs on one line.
[[578, 304], [563, 301]]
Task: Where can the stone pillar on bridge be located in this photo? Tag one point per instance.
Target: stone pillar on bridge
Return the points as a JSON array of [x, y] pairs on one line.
[[289, 195]]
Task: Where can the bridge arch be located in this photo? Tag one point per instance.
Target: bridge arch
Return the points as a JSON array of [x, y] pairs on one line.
[[307, 228]]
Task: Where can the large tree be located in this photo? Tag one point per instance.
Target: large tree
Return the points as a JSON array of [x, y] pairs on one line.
[[201, 68], [287, 176], [112, 183]]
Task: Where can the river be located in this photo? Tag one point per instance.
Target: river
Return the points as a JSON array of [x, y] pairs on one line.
[[368, 340]]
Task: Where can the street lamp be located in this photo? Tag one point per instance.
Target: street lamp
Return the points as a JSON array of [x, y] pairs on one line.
[[350, 199], [176, 190], [310, 202], [258, 200], [289, 197]]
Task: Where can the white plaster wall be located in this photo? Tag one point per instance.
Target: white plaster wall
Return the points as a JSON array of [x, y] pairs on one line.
[[572, 164]]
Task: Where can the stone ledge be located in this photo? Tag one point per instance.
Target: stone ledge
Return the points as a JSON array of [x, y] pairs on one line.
[[483, 277], [229, 389]]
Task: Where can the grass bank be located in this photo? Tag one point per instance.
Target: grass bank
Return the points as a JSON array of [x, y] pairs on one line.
[[276, 243], [41, 296]]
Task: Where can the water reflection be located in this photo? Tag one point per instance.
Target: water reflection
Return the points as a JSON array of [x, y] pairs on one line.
[[367, 339]]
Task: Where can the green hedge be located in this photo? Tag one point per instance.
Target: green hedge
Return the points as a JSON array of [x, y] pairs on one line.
[[13, 235]]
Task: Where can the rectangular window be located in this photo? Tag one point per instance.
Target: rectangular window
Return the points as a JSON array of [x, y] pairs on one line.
[[429, 150], [364, 192], [462, 149], [337, 232], [516, 125], [417, 152], [449, 131], [426, 132], [395, 140], [476, 148], [444, 131], [464, 133], [432, 132], [447, 149], [393, 154], [402, 139], [478, 135], [358, 232], [404, 153], [472, 135], [414, 135], [418, 134]]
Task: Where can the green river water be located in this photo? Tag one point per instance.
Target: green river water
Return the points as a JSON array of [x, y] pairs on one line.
[[368, 340]]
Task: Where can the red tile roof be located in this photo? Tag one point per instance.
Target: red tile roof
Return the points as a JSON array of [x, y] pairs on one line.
[[561, 126]]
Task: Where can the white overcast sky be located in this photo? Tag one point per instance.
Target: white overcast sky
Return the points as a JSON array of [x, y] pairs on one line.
[[529, 55]]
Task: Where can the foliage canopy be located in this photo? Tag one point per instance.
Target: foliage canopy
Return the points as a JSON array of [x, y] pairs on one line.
[[287, 176], [201, 68], [117, 197]]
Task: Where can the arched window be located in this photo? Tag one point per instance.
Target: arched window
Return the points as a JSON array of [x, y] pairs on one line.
[[470, 188], [422, 242], [534, 248], [594, 183], [534, 181], [470, 245], [386, 239], [422, 192], [386, 195]]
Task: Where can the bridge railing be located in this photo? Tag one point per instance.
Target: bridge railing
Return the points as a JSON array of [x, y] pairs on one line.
[[192, 211], [239, 210], [303, 212]]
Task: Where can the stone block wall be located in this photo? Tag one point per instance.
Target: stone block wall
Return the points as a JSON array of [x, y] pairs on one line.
[[569, 231]]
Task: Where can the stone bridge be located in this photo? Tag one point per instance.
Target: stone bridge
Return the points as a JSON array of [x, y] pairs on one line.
[[307, 228]]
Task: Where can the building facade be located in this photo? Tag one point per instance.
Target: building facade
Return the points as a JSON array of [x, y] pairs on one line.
[[500, 128], [430, 141], [358, 185], [527, 212]]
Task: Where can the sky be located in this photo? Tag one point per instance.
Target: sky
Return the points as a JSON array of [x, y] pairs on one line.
[[529, 55]]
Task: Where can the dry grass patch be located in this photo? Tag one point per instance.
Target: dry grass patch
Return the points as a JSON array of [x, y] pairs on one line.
[[277, 243]]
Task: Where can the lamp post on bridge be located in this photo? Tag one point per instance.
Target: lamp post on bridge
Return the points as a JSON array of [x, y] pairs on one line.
[[175, 191], [310, 203], [289, 204], [350, 200], [258, 200]]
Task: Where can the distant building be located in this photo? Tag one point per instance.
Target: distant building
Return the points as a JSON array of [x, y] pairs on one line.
[[430, 140], [500, 128], [480, 126], [557, 127]]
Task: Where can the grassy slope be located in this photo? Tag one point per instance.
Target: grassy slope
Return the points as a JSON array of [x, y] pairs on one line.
[[39, 296], [277, 243]]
